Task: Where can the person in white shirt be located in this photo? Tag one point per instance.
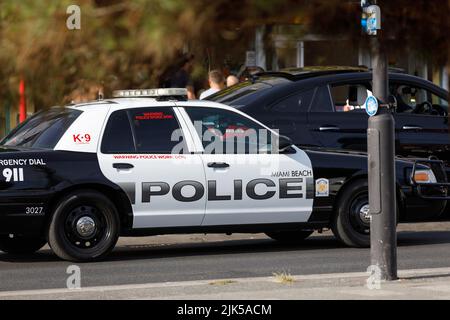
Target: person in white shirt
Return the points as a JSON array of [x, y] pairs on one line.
[[216, 83]]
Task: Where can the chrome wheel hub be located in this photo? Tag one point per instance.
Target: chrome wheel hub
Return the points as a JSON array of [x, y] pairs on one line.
[[86, 227], [364, 214]]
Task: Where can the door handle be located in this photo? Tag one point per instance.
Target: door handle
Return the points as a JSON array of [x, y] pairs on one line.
[[330, 128], [411, 128], [122, 166], [218, 165]]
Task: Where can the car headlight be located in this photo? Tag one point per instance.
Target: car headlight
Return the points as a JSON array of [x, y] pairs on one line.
[[424, 176]]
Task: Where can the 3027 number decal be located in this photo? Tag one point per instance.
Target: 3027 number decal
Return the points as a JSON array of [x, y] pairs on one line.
[[13, 174], [34, 210]]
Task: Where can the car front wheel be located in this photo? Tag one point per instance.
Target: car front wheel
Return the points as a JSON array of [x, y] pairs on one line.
[[84, 227]]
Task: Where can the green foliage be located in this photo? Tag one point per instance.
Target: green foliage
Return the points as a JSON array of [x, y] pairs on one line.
[[126, 44]]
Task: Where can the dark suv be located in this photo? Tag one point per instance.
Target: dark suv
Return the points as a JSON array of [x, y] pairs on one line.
[[325, 108]]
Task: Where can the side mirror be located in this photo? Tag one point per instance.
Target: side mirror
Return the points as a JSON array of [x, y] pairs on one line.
[[284, 143]]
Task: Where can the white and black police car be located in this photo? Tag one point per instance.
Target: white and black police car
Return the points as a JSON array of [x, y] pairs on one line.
[[150, 162]]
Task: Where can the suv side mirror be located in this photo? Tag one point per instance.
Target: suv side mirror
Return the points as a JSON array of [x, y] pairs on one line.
[[284, 143]]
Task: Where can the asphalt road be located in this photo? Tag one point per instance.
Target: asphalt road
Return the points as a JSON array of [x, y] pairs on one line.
[[202, 258]]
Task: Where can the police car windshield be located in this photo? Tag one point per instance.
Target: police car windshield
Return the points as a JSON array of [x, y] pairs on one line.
[[244, 92], [43, 130]]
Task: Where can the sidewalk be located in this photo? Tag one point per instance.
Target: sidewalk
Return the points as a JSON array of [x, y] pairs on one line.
[[413, 284]]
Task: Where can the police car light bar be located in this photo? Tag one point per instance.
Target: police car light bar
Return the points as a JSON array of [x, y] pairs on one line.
[[160, 92]]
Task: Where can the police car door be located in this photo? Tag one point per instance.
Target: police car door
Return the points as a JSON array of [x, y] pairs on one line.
[[246, 184], [137, 153]]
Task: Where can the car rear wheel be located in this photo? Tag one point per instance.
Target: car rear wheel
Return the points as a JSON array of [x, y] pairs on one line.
[[290, 236], [21, 244], [84, 227], [351, 224]]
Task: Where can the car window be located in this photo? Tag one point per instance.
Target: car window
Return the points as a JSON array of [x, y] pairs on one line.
[[226, 132], [350, 97], [295, 103], [322, 101], [155, 129], [118, 137], [143, 130], [416, 100], [42, 130]]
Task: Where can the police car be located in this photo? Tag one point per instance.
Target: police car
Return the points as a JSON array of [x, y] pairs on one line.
[[150, 162]]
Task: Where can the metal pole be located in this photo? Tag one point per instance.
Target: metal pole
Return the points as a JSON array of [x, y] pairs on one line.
[[382, 191]]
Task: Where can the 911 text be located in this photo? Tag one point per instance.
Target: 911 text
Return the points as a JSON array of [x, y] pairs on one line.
[[14, 174]]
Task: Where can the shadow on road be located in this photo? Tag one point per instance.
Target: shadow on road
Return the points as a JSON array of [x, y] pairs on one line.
[[159, 251], [411, 238], [422, 277]]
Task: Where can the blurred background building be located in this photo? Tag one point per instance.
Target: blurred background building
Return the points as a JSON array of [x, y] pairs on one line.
[[296, 49], [140, 44]]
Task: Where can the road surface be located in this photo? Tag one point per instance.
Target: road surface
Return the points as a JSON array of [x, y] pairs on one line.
[[199, 257]]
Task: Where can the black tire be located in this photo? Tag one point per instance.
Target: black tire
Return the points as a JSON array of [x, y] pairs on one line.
[[347, 225], [21, 244], [290, 236], [102, 231]]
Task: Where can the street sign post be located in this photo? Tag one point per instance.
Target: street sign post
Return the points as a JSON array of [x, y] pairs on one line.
[[381, 153]]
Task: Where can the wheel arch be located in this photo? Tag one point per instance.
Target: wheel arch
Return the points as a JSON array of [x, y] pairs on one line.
[[116, 196]]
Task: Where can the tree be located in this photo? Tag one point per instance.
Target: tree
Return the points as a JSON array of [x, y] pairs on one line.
[[124, 44]]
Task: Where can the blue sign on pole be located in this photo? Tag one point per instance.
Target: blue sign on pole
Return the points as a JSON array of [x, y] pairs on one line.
[[371, 106], [372, 24]]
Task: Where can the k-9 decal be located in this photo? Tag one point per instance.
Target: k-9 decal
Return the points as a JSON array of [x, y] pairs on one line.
[[81, 138], [13, 174]]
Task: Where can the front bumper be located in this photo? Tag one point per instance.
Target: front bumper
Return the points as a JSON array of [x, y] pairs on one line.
[[425, 201], [432, 191]]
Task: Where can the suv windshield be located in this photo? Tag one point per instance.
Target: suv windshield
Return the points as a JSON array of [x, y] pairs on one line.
[[42, 130]]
